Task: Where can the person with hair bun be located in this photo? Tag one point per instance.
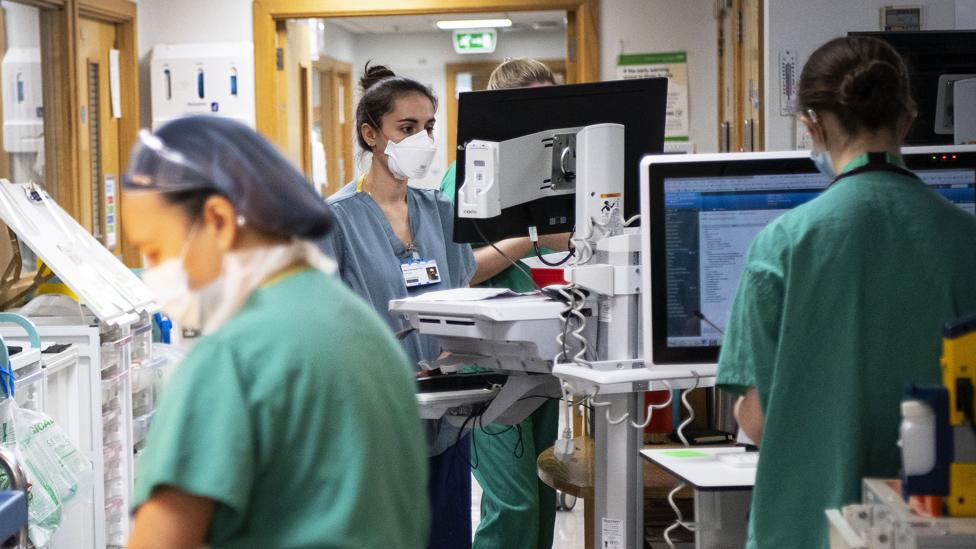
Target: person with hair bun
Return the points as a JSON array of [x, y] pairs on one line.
[[391, 241], [274, 431], [842, 301]]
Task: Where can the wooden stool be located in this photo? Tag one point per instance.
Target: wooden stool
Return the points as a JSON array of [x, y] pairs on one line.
[[574, 477]]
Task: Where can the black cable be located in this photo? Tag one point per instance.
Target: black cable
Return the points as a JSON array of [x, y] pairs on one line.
[[701, 316], [514, 263], [547, 397], [474, 445], [560, 263], [499, 433], [519, 450]]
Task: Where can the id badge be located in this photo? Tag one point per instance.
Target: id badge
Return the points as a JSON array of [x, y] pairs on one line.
[[420, 272]]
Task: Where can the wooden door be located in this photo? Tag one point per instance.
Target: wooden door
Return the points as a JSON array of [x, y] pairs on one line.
[[740, 75], [336, 122], [464, 77], [727, 127], [99, 147], [751, 83]]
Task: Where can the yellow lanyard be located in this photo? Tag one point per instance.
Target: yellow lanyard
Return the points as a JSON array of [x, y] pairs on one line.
[[283, 275], [360, 183]]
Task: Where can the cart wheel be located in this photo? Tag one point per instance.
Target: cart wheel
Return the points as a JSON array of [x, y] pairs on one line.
[[565, 502]]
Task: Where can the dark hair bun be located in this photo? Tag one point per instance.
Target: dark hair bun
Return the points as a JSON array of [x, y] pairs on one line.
[[372, 75], [868, 90], [860, 79]]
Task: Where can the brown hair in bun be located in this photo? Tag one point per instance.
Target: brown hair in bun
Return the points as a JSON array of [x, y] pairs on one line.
[[861, 80], [381, 88]]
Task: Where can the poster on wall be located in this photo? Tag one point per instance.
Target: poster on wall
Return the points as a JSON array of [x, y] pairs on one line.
[[111, 227], [674, 67]]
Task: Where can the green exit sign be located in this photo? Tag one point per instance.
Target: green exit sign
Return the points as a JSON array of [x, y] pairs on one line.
[[475, 41]]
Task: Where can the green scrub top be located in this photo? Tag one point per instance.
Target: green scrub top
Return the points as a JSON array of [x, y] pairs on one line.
[[298, 417], [841, 303], [512, 278]]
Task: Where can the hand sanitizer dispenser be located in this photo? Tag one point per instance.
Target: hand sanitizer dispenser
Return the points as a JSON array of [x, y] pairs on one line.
[[212, 78], [23, 101]]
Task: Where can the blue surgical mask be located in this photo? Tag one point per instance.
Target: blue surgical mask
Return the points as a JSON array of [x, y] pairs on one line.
[[821, 159]]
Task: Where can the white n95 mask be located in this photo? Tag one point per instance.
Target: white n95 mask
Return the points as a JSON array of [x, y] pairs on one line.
[[411, 157]]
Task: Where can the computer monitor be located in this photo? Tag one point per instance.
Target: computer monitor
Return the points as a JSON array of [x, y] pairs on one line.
[[935, 59], [498, 115], [701, 214]]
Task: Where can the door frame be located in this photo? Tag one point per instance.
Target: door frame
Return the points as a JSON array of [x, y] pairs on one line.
[[4, 157], [451, 71], [305, 116], [122, 14], [582, 39], [59, 63]]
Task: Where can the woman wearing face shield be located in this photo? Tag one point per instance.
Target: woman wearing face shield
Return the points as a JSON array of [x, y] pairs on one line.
[[842, 300], [392, 241], [277, 430]]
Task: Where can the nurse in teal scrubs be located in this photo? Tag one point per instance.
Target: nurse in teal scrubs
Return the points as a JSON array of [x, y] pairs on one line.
[[293, 421], [842, 301]]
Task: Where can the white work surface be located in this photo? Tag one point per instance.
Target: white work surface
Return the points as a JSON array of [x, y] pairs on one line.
[[476, 303], [704, 472]]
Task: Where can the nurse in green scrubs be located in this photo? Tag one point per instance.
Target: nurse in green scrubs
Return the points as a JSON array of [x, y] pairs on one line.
[[293, 421], [842, 301], [518, 511]]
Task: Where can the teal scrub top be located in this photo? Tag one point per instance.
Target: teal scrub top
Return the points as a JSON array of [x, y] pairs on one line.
[[368, 254], [298, 417], [513, 278], [841, 303]]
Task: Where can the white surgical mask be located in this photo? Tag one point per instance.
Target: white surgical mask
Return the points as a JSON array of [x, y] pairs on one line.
[[170, 286], [411, 157], [821, 159]]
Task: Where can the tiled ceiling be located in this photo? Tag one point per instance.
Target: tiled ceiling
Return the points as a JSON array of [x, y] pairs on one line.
[[541, 21]]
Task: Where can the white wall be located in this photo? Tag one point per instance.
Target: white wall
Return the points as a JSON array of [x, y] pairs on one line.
[[650, 26], [23, 31], [802, 26], [966, 14], [187, 21], [23, 25], [422, 56], [336, 42], [626, 26]]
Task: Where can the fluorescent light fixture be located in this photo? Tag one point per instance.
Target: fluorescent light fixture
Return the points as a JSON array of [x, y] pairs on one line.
[[474, 24]]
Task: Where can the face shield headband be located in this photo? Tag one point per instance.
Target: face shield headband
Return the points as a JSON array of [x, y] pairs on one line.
[[155, 167]]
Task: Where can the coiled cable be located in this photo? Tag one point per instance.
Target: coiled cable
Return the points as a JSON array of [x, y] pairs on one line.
[[679, 521]]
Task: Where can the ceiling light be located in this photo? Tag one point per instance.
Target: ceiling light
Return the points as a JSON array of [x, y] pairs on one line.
[[474, 24]]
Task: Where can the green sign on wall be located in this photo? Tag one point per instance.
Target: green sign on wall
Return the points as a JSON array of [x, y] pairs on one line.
[[475, 41]]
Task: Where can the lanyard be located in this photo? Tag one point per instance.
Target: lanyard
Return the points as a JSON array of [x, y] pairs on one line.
[[415, 253], [877, 162]]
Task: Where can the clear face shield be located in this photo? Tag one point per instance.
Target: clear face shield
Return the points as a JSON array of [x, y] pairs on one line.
[[155, 167]]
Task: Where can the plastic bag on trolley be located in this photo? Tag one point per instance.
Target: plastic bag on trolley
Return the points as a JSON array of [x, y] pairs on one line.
[[55, 468], [174, 355]]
